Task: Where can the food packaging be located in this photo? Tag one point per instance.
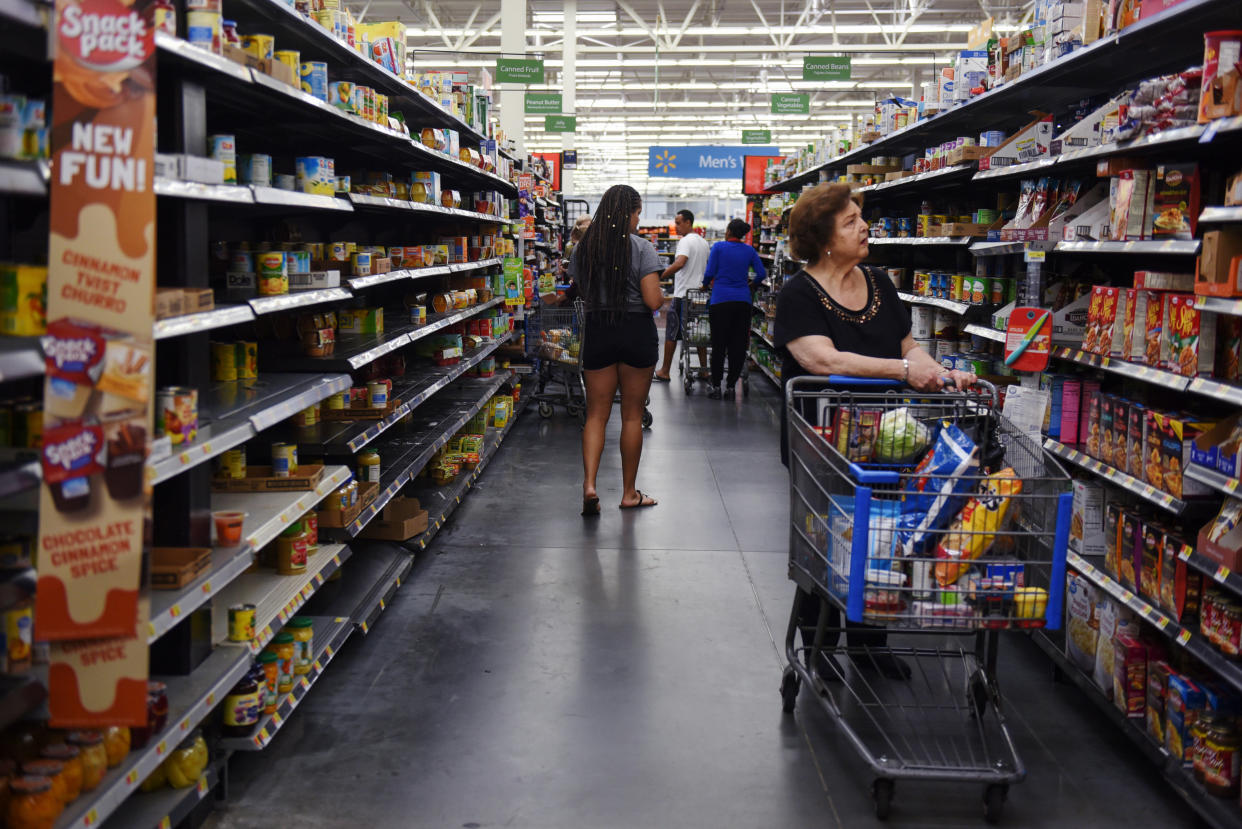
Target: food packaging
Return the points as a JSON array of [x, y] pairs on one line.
[[228, 526], [1175, 201], [1221, 93], [1130, 675]]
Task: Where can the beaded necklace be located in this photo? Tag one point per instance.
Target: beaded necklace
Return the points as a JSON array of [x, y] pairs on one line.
[[867, 313]]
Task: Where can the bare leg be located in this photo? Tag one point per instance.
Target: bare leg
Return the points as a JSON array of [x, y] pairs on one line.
[[601, 387], [635, 383], [703, 360], [669, 348]]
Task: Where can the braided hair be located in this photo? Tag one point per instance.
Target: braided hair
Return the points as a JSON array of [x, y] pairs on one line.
[[603, 255]]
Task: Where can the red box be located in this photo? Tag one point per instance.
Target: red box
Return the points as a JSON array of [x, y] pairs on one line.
[[1130, 675]]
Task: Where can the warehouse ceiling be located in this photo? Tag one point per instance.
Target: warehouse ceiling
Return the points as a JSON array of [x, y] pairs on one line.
[[698, 71]]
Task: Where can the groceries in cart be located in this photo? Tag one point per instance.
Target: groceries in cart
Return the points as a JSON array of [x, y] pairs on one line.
[[559, 344]]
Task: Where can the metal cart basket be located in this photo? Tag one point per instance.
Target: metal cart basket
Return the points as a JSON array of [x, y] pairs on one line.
[[938, 548], [696, 334]]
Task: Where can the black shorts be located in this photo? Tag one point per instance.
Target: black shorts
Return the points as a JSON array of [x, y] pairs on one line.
[[631, 340]]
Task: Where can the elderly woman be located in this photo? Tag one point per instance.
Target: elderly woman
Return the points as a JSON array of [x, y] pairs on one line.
[[836, 316]]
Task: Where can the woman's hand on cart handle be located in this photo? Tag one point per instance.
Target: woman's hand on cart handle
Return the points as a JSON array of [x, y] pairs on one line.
[[927, 376], [959, 379]]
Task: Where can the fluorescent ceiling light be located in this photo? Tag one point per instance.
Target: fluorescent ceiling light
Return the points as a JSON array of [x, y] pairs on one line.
[[730, 31]]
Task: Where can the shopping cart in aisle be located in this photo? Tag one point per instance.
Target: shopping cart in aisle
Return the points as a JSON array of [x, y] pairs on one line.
[[931, 518], [554, 340], [696, 337]]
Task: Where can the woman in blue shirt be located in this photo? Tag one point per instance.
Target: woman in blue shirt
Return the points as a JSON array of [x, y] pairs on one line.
[[728, 276]]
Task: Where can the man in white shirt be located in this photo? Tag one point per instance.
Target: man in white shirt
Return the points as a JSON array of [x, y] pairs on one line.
[[687, 269]]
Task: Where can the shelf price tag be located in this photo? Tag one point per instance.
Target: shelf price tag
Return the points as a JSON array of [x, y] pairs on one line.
[[1183, 638], [165, 822], [1222, 573]]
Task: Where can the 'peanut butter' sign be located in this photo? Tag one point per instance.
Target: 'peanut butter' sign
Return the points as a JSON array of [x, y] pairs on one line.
[[99, 354]]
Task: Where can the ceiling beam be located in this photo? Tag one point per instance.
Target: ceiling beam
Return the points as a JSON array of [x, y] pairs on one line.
[[435, 21], [465, 30], [483, 29], [685, 25]]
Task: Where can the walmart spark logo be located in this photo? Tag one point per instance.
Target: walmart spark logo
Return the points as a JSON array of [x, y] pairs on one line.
[[665, 162]]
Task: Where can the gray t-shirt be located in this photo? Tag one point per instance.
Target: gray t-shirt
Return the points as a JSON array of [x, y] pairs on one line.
[[643, 260]]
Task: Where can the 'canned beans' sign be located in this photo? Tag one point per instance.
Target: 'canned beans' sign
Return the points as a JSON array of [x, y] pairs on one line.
[[99, 354]]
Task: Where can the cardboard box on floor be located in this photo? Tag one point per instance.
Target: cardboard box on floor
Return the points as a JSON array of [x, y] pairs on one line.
[[400, 520]]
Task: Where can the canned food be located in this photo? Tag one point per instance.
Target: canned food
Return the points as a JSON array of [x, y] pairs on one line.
[[307, 417], [203, 29], [273, 273], [261, 46], [955, 287], [284, 459], [978, 290], [377, 394], [362, 264], [343, 184], [28, 424], [247, 360], [290, 58], [255, 168], [341, 95], [19, 635], [996, 288], [369, 467], [339, 400], [223, 148], [284, 181], [233, 463], [921, 319], [339, 252], [315, 78], [176, 413], [241, 623], [223, 362]]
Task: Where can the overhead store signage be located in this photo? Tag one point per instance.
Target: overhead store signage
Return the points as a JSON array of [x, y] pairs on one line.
[[569, 159], [519, 70], [756, 136], [826, 68], [560, 123], [99, 358], [701, 162], [543, 102], [753, 174], [791, 103]]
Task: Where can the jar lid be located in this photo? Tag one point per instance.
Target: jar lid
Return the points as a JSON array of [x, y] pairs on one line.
[[155, 688], [301, 622], [30, 785], [267, 656], [85, 738], [43, 768], [60, 751], [283, 638]]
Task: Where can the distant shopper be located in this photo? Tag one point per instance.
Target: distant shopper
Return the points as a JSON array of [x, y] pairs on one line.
[[618, 276], [575, 236], [835, 317], [728, 274], [689, 263]]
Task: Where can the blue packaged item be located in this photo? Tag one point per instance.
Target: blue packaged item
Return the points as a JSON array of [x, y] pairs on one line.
[[882, 524], [937, 489]]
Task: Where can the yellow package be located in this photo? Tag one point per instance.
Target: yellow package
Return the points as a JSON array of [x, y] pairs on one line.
[[975, 527], [23, 299]]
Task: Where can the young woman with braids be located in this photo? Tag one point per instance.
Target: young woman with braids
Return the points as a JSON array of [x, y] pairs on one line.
[[618, 277]]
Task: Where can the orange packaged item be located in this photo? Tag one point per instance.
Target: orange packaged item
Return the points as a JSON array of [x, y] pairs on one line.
[[1130, 675], [32, 804], [94, 757], [69, 757], [116, 744], [53, 771], [1153, 331], [975, 527]]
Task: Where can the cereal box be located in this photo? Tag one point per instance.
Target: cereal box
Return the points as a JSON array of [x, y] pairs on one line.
[[1134, 333], [1177, 435], [1153, 330], [1091, 336], [1112, 323], [1189, 340], [1113, 513], [1130, 675], [1180, 585], [1136, 433], [1106, 429], [1149, 561]]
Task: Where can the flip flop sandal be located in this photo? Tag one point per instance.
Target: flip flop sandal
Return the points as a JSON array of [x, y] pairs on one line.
[[660, 379], [590, 506], [641, 502]]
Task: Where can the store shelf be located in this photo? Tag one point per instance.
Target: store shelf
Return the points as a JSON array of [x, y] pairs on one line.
[[298, 299], [1214, 479], [1221, 215], [921, 241], [169, 607], [277, 598], [935, 302], [302, 201], [1225, 392], [433, 429], [221, 317], [398, 275], [940, 177], [190, 699], [1132, 371], [232, 413], [383, 203], [1221, 813], [19, 474], [1219, 305], [340, 437], [329, 634], [768, 373], [166, 807], [762, 336], [23, 178], [998, 248], [1166, 247], [1116, 477], [1157, 142], [20, 357], [22, 12], [987, 333], [227, 193], [368, 584], [269, 513]]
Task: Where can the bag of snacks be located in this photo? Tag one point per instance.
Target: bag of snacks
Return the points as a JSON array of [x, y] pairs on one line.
[[972, 532]]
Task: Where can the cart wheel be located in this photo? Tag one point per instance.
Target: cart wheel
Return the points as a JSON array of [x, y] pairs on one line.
[[647, 419], [791, 683], [994, 801], [882, 793], [545, 409], [688, 386], [572, 409]]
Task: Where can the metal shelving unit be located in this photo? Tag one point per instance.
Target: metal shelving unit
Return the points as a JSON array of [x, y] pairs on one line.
[[269, 513], [1116, 477], [1124, 368], [936, 302], [166, 807], [169, 607], [367, 585], [1146, 247], [987, 333]]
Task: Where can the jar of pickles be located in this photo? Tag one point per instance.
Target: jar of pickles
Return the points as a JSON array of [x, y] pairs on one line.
[[70, 758], [32, 804], [302, 628], [93, 755]]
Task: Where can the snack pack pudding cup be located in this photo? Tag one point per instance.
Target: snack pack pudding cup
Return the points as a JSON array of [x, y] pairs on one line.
[[228, 527]]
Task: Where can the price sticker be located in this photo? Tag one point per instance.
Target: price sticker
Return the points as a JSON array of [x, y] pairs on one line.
[[184, 457], [185, 724], [206, 448], [131, 778], [1184, 553], [1232, 485], [202, 786], [1222, 573], [211, 699], [162, 747], [165, 822], [1162, 622], [277, 720], [366, 628], [1183, 638], [1127, 596], [383, 604], [174, 611], [91, 817], [150, 629], [260, 738]]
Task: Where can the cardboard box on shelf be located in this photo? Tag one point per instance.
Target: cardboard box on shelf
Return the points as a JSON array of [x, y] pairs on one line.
[[1132, 199], [1087, 521], [402, 530], [198, 299], [1221, 538], [1180, 585], [1027, 144], [961, 155], [1219, 268], [175, 567], [169, 302], [402, 508], [1233, 190]]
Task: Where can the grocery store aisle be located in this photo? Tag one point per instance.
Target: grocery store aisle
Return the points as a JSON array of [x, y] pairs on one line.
[[542, 671]]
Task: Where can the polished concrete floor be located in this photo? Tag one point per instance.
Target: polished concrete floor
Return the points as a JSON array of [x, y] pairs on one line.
[[541, 671]]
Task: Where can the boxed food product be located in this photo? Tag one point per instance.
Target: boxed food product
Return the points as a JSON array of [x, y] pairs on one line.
[[360, 321], [1184, 700], [1082, 626], [1091, 334], [1130, 675], [1131, 199], [1130, 550], [1134, 335], [1136, 430], [1221, 538], [1219, 268], [1027, 144], [1188, 344], [1071, 407], [1153, 329], [1112, 323], [1180, 585], [1091, 443], [1120, 434], [1164, 281], [1157, 690], [855, 431], [1177, 435], [1150, 560], [1176, 201], [1087, 522], [1107, 402], [1229, 348], [1088, 403], [1113, 513], [1223, 437], [1114, 619], [1221, 93], [169, 302]]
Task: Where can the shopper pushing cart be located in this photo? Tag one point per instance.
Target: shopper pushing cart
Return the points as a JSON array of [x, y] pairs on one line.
[[929, 516], [729, 265]]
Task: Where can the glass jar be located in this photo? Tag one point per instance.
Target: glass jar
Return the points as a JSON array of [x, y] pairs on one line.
[[116, 743], [93, 755], [303, 631], [291, 550], [157, 714], [54, 772], [242, 707], [32, 805], [1218, 752], [70, 758], [270, 664], [286, 650], [228, 33]]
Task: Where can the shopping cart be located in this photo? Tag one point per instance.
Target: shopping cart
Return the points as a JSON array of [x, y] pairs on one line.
[[554, 340], [946, 555], [696, 336]]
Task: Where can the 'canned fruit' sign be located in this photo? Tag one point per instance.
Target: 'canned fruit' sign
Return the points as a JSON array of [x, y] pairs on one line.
[[519, 70]]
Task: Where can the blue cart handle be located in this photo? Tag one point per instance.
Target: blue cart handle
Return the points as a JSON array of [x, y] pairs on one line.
[[872, 382]]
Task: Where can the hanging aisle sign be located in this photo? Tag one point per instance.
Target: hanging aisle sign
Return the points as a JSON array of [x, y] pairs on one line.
[[560, 123], [99, 352], [791, 103], [701, 162], [826, 68], [538, 103], [756, 136], [519, 70]]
